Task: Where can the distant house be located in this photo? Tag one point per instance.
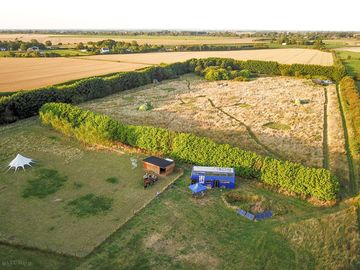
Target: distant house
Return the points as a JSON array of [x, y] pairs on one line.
[[104, 50], [33, 49], [213, 177], [2, 49]]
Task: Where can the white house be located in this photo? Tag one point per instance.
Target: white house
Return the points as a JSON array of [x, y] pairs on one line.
[[104, 50], [33, 49]]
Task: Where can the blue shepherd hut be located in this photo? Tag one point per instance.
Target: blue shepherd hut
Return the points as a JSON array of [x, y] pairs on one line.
[[213, 177]]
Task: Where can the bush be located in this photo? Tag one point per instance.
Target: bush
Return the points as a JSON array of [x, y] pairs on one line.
[[90, 127], [216, 74], [351, 100]]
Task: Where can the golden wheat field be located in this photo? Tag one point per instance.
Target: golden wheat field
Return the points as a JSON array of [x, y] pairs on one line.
[[28, 73], [141, 39], [285, 56]]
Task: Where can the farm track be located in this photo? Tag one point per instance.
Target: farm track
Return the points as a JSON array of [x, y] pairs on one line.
[[248, 129], [353, 182], [325, 133]]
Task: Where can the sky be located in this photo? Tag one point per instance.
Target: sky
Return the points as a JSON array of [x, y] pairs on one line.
[[324, 15]]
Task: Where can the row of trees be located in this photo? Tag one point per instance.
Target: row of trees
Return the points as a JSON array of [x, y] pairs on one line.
[[20, 45], [93, 128], [25, 104]]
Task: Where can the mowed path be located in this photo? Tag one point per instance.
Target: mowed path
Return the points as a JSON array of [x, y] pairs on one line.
[[28, 73]]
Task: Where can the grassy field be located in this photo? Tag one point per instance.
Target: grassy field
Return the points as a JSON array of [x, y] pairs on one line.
[[173, 231], [49, 206], [239, 113], [351, 61], [24, 74], [180, 232]]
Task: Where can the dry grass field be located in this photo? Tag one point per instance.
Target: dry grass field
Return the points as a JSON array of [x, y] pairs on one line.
[[28, 73], [141, 39], [259, 115]]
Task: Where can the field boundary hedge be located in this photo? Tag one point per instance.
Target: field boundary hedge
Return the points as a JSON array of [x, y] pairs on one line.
[[27, 103], [350, 104], [93, 128]]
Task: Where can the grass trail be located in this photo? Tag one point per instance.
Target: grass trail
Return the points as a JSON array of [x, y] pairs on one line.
[[250, 132]]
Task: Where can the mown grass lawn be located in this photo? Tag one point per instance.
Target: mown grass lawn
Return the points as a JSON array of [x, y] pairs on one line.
[[179, 232], [35, 204]]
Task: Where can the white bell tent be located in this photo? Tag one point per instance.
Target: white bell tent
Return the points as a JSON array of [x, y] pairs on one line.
[[20, 161]]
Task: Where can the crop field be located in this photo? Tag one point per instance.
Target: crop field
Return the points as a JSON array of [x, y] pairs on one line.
[[28, 73], [260, 115], [141, 39], [349, 49], [60, 220], [285, 56]]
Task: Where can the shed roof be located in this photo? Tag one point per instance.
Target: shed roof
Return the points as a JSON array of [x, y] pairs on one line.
[[162, 163]]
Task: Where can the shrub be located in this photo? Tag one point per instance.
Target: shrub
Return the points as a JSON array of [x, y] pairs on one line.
[[216, 74], [351, 100], [90, 127]]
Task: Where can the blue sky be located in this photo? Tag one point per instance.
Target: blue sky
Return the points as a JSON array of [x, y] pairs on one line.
[[186, 14]]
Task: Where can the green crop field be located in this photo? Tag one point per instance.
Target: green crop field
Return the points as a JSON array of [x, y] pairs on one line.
[[64, 172]]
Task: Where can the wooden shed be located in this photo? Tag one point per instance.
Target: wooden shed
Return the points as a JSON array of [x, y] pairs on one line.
[[159, 166]]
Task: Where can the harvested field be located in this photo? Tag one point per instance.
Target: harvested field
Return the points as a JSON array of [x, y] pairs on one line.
[[336, 142], [141, 39], [349, 49], [285, 56], [238, 113], [28, 73]]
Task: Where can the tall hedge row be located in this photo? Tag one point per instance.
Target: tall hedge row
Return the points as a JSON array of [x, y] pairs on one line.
[[26, 104], [351, 100], [90, 127]]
